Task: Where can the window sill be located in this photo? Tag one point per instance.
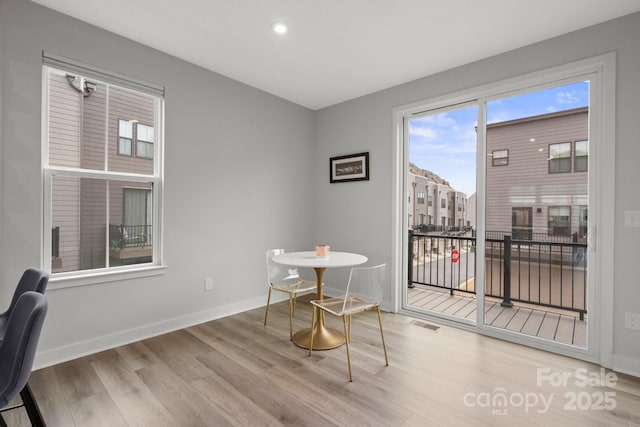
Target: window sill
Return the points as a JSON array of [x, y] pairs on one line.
[[63, 281]]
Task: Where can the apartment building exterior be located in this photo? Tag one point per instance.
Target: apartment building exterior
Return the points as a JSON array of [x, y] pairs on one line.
[[537, 179], [536, 182], [433, 203]]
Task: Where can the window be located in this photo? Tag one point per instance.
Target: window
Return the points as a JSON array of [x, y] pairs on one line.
[[102, 170], [559, 220], [583, 225], [144, 141], [521, 223], [429, 200], [130, 131], [420, 198], [581, 159], [443, 203], [560, 157], [500, 158], [125, 137]]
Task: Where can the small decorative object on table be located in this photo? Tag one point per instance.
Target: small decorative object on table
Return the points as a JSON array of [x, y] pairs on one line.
[[322, 250]]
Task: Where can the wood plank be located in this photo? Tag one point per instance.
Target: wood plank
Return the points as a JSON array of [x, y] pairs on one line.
[[519, 319], [138, 405], [492, 311], [505, 316], [549, 326], [533, 323], [564, 333], [580, 333]]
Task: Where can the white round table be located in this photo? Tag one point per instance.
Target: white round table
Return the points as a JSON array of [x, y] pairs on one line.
[[323, 338]]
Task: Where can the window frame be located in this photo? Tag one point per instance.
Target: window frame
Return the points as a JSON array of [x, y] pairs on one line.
[[126, 138], [584, 168], [53, 63], [143, 141], [420, 197], [504, 160], [550, 229], [568, 158]]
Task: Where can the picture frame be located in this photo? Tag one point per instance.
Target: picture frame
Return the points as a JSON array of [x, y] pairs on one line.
[[352, 167]]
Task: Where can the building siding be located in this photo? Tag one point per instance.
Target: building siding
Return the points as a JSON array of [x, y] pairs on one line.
[[526, 182]]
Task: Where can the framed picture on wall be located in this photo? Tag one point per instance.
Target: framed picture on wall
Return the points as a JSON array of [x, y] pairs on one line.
[[353, 167]]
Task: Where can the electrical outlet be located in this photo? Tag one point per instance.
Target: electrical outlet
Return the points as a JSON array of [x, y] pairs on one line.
[[208, 284], [632, 321]]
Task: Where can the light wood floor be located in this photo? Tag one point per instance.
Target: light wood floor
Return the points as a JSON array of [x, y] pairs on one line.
[[236, 372], [555, 325]]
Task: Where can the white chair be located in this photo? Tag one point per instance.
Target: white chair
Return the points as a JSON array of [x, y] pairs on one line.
[[364, 292], [285, 279]]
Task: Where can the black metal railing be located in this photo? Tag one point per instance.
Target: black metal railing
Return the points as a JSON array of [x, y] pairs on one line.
[[549, 274], [129, 236]]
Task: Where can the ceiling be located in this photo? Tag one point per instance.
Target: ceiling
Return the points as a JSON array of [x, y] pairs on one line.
[[336, 50]]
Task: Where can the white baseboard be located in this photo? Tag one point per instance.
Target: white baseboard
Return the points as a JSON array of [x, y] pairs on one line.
[[626, 365], [83, 348]]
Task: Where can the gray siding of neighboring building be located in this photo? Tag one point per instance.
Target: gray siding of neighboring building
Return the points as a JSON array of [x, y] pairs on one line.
[[64, 150], [526, 182]]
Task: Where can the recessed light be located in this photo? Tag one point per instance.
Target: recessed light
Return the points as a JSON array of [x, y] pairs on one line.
[[279, 28]]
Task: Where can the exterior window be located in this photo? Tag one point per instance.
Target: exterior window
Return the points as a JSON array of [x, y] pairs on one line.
[[144, 141], [420, 198], [559, 220], [429, 200], [560, 157], [130, 131], [581, 160], [125, 137], [443, 203], [583, 226], [500, 158], [521, 223], [102, 175]]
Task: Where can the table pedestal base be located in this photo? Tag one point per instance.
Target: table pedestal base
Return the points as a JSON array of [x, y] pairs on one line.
[[323, 338]]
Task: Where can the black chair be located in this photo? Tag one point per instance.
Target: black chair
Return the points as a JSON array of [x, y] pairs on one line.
[[17, 352], [32, 280]]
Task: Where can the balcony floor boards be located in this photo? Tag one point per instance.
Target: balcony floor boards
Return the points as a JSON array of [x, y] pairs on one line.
[[555, 325]]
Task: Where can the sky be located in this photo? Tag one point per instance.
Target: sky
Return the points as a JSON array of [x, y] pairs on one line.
[[445, 143]]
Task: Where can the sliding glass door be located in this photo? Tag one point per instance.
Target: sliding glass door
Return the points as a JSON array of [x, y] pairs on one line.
[[496, 198]]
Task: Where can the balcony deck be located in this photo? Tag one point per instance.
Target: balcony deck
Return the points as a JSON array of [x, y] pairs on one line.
[[555, 325]]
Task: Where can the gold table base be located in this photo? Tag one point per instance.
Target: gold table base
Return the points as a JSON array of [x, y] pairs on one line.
[[323, 338]]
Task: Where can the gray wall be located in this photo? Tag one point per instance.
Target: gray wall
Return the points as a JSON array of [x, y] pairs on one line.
[[232, 190], [358, 216]]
